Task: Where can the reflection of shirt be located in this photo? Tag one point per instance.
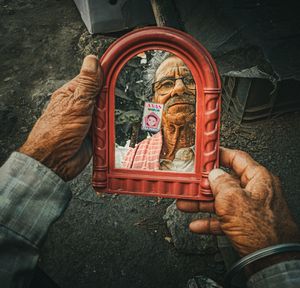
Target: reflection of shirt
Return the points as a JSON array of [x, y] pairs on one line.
[[184, 161], [145, 156]]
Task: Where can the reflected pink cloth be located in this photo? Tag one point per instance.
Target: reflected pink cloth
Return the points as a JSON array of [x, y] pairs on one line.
[[144, 155]]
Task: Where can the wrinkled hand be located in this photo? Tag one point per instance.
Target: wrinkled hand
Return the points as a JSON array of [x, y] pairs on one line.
[[59, 137], [249, 205]]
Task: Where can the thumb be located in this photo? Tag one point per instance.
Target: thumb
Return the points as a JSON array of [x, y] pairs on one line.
[[89, 79], [222, 182], [89, 65]]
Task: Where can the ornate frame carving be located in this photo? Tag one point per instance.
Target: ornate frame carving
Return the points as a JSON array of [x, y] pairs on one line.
[[195, 185]]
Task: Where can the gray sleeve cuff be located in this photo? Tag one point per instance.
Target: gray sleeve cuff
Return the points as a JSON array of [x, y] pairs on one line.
[[32, 197], [285, 274]]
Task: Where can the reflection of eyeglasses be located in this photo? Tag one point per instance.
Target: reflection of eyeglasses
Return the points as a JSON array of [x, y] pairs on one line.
[[166, 85]]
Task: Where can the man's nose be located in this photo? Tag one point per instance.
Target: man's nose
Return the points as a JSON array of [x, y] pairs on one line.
[[179, 88]]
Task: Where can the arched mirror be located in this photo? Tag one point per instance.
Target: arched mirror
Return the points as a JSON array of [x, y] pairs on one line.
[[156, 126]]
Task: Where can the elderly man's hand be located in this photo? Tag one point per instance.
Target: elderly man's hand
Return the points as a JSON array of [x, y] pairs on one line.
[[59, 138], [249, 205]]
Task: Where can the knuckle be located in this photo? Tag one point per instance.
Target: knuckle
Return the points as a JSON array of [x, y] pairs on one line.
[[228, 189], [263, 172], [241, 154]]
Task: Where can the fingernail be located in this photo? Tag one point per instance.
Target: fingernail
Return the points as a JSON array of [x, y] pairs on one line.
[[215, 173], [90, 63]]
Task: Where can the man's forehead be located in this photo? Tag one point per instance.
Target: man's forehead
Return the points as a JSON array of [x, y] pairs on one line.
[[171, 65]]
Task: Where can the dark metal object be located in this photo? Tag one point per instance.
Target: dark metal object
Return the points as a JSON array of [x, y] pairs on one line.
[[250, 99], [166, 14]]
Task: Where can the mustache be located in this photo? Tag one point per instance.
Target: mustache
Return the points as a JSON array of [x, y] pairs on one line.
[[184, 99]]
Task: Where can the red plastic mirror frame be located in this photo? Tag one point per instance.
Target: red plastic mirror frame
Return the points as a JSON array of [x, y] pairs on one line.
[[193, 186]]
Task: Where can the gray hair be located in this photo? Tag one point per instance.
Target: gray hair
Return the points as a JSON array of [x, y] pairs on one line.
[[158, 56]]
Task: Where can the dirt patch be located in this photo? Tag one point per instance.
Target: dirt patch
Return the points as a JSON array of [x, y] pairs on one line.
[[110, 241], [38, 44]]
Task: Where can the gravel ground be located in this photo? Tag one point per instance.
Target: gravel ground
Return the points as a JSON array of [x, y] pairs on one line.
[[111, 241]]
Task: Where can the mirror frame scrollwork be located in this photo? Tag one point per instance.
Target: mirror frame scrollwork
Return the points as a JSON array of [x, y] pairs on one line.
[[193, 186]]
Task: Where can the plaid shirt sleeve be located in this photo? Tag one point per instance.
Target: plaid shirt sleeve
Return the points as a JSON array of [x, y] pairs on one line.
[[32, 197]]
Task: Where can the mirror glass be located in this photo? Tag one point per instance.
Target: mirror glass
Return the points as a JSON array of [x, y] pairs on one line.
[[155, 114]]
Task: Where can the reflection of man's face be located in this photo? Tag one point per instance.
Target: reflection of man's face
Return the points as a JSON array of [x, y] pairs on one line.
[[175, 88], [174, 84]]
